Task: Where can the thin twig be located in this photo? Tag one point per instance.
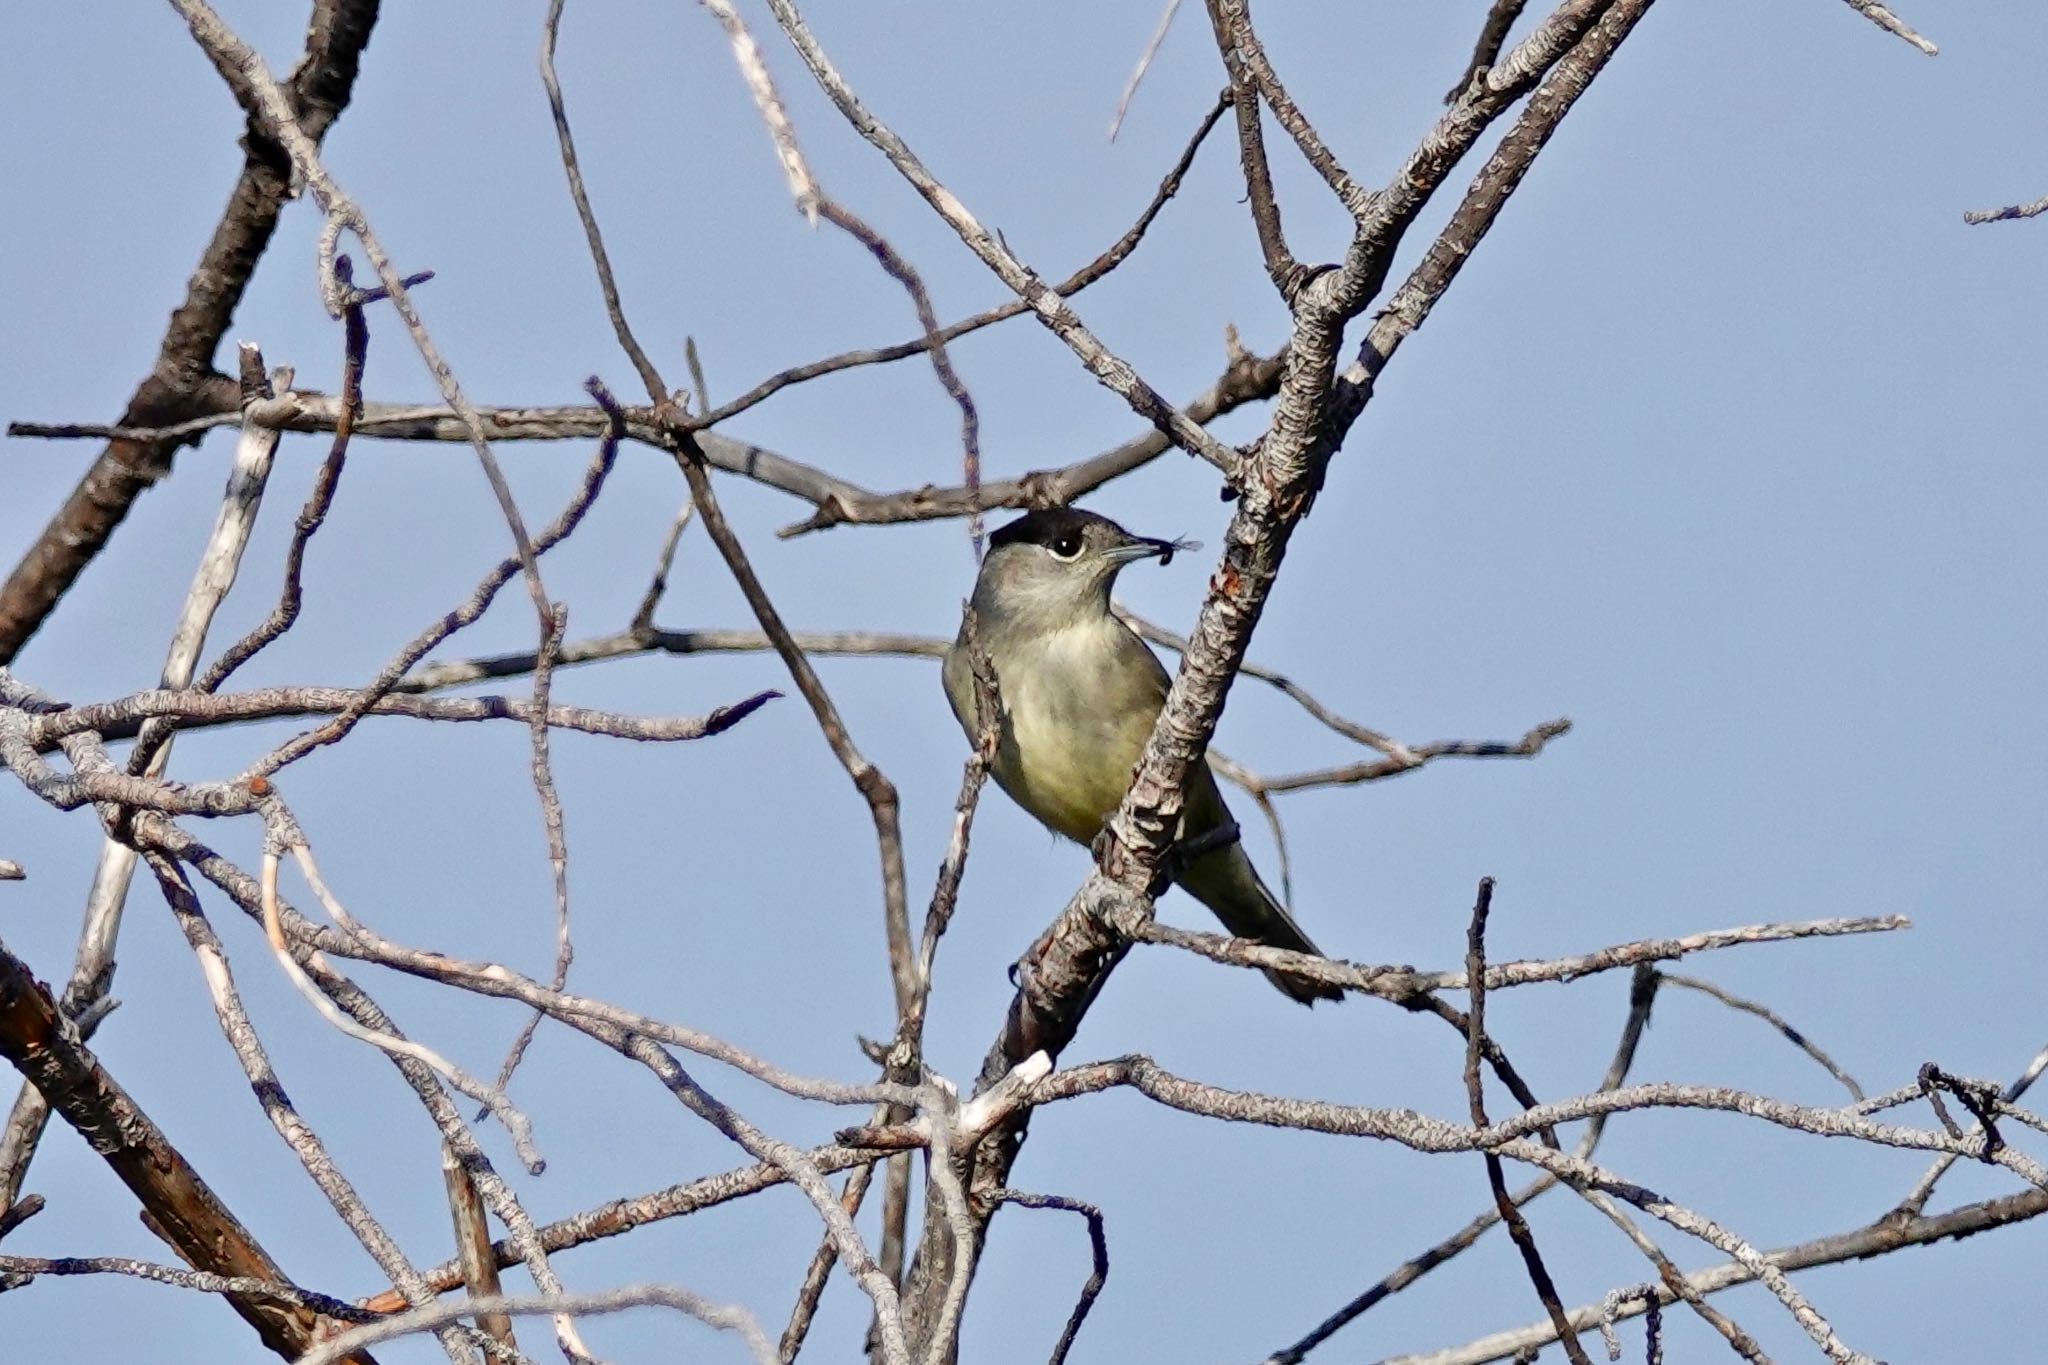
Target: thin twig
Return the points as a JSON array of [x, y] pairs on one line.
[[1475, 1094], [270, 1093], [1286, 273], [1771, 1017], [1237, 19], [1159, 30], [1401, 984], [355, 358], [1098, 1245], [462, 616], [561, 1305], [1642, 997], [898, 268], [643, 615], [1500, 19], [1109, 369]]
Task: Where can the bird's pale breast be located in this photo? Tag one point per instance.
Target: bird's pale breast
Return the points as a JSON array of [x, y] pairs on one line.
[[1078, 705]]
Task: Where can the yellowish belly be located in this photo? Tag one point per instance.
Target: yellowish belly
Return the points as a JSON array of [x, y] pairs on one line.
[[1065, 760]]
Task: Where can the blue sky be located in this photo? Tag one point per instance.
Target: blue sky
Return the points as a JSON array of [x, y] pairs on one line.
[[1725, 445]]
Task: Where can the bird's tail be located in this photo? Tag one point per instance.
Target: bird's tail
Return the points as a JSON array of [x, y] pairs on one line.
[[1229, 885]]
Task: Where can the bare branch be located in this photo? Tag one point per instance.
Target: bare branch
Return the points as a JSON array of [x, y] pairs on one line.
[[1098, 1243], [473, 1248], [1886, 1235], [1246, 380], [1282, 268], [1475, 1092], [1236, 17], [1159, 30], [2007, 214], [1500, 19], [43, 1045], [1891, 23], [92, 971], [181, 382], [19, 1270], [114, 719], [1112, 371], [724, 1317], [1771, 1017], [1404, 984]]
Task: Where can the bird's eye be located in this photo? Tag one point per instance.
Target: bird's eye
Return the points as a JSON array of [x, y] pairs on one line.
[[1067, 546]]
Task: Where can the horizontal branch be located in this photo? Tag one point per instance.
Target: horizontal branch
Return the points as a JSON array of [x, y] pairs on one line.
[[114, 719], [1402, 984], [562, 1306], [2007, 214], [18, 1271], [1246, 379], [1410, 758], [1510, 1137]]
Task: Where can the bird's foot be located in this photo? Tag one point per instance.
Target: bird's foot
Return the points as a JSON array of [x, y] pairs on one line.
[[1185, 853]]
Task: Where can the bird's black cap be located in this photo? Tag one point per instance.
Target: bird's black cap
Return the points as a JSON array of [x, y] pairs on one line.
[[1047, 526]]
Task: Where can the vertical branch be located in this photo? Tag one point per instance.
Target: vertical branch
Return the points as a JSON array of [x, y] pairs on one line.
[[1475, 1092], [473, 1247], [1281, 267], [276, 1103], [681, 441], [355, 359], [93, 966]]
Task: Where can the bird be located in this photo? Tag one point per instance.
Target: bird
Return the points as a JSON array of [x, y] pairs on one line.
[[1078, 693]]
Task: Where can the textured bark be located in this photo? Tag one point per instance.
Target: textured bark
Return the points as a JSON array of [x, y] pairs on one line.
[[182, 383], [176, 1203]]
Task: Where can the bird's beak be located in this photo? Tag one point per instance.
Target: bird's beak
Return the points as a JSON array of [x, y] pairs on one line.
[[1145, 547]]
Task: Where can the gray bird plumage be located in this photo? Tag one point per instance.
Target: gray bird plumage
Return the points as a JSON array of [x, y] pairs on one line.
[[1079, 694]]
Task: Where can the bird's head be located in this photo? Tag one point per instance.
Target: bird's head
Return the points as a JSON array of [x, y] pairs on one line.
[[1054, 567]]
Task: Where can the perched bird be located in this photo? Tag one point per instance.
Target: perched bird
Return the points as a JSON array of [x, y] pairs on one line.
[[1079, 692]]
